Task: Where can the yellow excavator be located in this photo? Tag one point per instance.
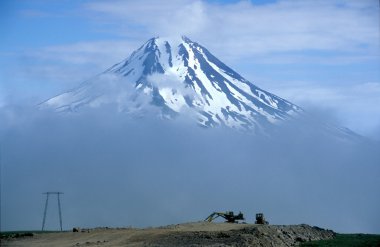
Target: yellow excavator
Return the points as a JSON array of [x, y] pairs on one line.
[[229, 216]]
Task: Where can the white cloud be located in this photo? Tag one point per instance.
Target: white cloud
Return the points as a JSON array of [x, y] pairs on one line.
[[170, 81], [303, 92], [357, 106], [278, 33], [100, 53], [245, 29], [157, 17], [65, 66]]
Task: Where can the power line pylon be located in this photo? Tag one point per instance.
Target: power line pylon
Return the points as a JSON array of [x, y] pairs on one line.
[[46, 206]]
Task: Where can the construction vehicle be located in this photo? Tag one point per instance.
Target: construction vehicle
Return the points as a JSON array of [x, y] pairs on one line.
[[229, 216], [260, 219]]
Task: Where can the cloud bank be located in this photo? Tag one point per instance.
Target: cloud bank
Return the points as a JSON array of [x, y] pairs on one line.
[[352, 105], [117, 171]]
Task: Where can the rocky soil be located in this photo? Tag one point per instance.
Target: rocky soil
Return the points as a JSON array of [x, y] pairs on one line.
[[189, 234]]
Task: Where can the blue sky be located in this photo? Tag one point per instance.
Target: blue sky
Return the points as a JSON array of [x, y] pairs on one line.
[[318, 54]]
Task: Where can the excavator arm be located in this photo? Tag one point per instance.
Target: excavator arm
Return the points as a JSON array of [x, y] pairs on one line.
[[214, 215], [228, 216]]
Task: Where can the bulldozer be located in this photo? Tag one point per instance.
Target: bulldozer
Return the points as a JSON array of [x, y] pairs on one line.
[[260, 219], [229, 216]]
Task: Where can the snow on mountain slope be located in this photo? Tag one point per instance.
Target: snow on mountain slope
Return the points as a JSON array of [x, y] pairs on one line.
[[180, 77]]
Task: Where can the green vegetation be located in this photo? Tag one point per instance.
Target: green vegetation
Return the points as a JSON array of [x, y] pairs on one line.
[[347, 240], [20, 234]]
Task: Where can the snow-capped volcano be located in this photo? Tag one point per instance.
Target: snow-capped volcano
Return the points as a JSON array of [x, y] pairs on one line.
[[179, 77]]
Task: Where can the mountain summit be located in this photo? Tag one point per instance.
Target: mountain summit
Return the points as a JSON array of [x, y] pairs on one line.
[[179, 77]]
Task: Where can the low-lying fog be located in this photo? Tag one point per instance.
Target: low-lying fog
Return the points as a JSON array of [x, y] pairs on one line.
[[116, 171]]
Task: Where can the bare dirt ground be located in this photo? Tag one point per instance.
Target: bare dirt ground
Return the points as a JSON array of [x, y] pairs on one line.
[[189, 234]]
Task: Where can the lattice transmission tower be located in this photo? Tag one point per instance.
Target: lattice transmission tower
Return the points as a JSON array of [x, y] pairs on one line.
[[46, 207]]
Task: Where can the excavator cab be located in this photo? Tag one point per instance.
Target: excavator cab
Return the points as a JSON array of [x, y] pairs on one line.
[[260, 219]]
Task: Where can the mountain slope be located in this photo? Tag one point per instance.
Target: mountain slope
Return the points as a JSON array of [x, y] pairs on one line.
[[179, 77]]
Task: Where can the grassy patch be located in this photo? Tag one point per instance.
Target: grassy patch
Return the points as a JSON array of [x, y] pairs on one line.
[[347, 240]]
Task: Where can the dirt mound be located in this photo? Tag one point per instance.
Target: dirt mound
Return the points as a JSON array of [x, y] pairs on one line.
[[243, 235], [189, 234]]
